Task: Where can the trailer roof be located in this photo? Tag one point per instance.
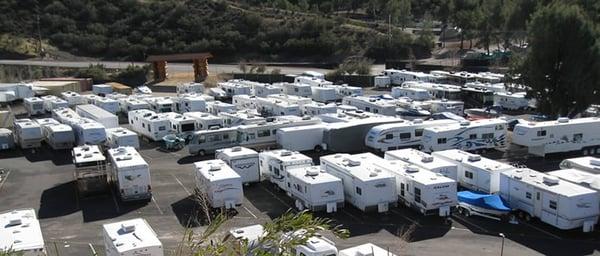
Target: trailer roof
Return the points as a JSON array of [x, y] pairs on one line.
[[467, 124], [365, 249], [131, 234], [587, 162], [120, 132], [215, 170], [474, 160], [399, 167], [313, 175], [126, 157], [87, 153], [26, 123], [46, 121], [236, 152], [415, 122], [94, 110], [547, 182], [360, 167], [20, 230], [59, 128], [583, 178], [287, 156], [561, 122], [33, 99], [417, 157]]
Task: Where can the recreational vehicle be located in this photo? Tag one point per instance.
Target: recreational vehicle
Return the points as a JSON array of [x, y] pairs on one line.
[[297, 89], [357, 129], [292, 99], [425, 161], [221, 185], [90, 170], [587, 164], [400, 135], [312, 81], [21, 233], [130, 104], [15, 91], [73, 98], [242, 160], [57, 135], [315, 190], [161, 104], [28, 134], [344, 90], [217, 93], [206, 121], [34, 106], [477, 135], [493, 87], [382, 81], [64, 115], [397, 77], [110, 105], [98, 114], [579, 177], [366, 249], [52, 102], [244, 101], [192, 87], [121, 137], [318, 108], [149, 124], [315, 74], [438, 91], [302, 138], [323, 94], [189, 103], [512, 101], [90, 98], [142, 90], [216, 107], [116, 96], [275, 165], [373, 105], [129, 174], [88, 131], [242, 117], [234, 88], [563, 135], [561, 204], [475, 172], [477, 97], [180, 125], [366, 186], [264, 90], [102, 89], [131, 237], [7, 140], [442, 105], [412, 93], [275, 107]]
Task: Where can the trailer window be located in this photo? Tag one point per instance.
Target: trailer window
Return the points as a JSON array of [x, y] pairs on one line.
[[552, 205], [472, 136], [468, 175], [375, 111], [162, 128], [487, 136], [527, 195], [389, 136], [402, 189], [417, 195], [499, 127], [578, 137], [405, 136], [358, 191], [418, 132], [541, 133], [368, 109], [149, 128], [264, 133], [442, 141], [537, 195]]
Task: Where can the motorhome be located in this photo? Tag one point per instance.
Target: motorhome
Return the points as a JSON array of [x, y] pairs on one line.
[[587, 164], [197, 88], [312, 81], [7, 140], [311, 73], [189, 103], [110, 105], [579, 177], [21, 233], [57, 135], [243, 161], [401, 134], [102, 89], [346, 114], [234, 88], [206, 121], [297, 89], [28, 134], [318, 108], [302, 138], [412, 93], [425, 191], [220, 184], [477, 135], [315, 190], [323, 94], [244, 101], [242, 117], [121, 137], [131, 237], [130, 104], [442, 105], [88, 131], [475, 172], [129, 174], [256, 136], [181, 125], [264, 90], [275, 107], [216, 107], [512, 101], [34, 106], [438, 91], [161, 104], [107, 119], [560, 136], [373, 105], [366, 249], [490, 77], [425, 161], [561, 204], [90, 170], [275, 165], [366, 186], [64, 115], [477, 97], [149, 124], [73, 98], [52, 102]]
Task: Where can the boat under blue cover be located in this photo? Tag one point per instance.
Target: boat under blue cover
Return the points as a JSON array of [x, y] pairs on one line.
[[487, 201]]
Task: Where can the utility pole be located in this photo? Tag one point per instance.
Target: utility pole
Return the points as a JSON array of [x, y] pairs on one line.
[[39, 31]]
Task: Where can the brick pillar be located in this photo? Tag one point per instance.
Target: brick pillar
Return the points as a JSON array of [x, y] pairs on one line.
[[200, 69], [160, 70]]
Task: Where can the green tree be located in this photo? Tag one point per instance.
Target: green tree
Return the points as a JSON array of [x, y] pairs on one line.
[[562, 63], [303, 5], [132, 75], [400, 12], [96, 72]]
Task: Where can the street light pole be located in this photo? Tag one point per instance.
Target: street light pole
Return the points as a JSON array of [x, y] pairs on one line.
[[502, 248]]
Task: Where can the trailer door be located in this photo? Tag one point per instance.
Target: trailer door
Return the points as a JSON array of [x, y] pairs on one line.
[[537, 203]]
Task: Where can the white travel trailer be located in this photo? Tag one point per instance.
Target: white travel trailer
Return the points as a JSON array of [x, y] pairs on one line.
[[302, 138], [180, 124], [512, 101], [110, 105], [102, 89], [130, 104], [90, 98], [587, 164], [244, 101], [131, 237], [373, 105], [475, 172], [382, 81], [582, 178], [477, 135], [494, 87], [563, 135], [107, 119], [275, 165], [116, 96], [297, 89], [275, 107], [129, 174], [121, 137], [217, 93], [11, 92], [366, 249], [216, 107], [21, 233], [192, 87], [206, 121], [427, 192], [425, 161], [233, 87], [90, 169], [442, 105], [34, 106], [412, 93], [143, 90], [344, 90], [316, 190], [311, 73], [318, 108], [242, 160], [189, 103], [149, 124], [561, 204], [52, 102], [400, 135], [365, 185], [88, 131], [264, 90], [64, 115], [7, 140], [292, 99], [323, 94], [397, 77], [221, 185], [161, 104], [28, 134], [73, 98], [438, 91], [312, 81], [241, 117], [57, 135]]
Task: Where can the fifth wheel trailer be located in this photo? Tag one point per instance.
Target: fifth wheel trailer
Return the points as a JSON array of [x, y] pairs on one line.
[[130, 238], [477, 135], [316, 190], [107, 119], [586, 163], [425, 161], [129, 174], [275, 164], [243, 161], [400, 135], [221, 185], [561, 204]]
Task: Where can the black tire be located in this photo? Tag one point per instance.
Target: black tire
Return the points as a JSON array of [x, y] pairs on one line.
[[318, 149], [527, 217], [461, 210], [201, 152], [467, 212]]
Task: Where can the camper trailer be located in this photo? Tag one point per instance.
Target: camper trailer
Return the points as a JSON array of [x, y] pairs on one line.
[[475, 172], [366, 249], [110, 105], [312, 81], [425, 161], [241, 117], [243, 161], [130, 104], [579, 177], [400, 135], [142, 90], [149, 124], [15, 91], [563, 135], [291, 99], [477, 135], [234, 88], [90, 170], [357, 129], [397, 77], [561, 204], [34, 106], [297, 89], [417, 188], [275, 107], [302, 138], [52, 102], [28, 134], [116, 96], [264, 90], [90, 98], [64, 115], [88, 131], [102, 89], [315, 190], [21, 233], [317, 108], [161, 104], [73, 98], [216, 107], [217, 93], [323, 94], [366, 186], [344, 90], [587, 164], [181, 125], [442, 105], [373, 105], [121, 137], [438, 91], [57, 135], [205, 121], [197, 88], [382, 81], [105, 118], [189, 103], [130, 238], [221, 185], [129, 174], [275, 164], [512, 101], [412, 93], [7, 140], [244, 101]]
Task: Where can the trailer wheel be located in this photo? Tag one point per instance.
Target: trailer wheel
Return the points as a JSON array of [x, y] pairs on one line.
[[201, 152], [527, 217], [467, 212], [318, 149], [461, 210]]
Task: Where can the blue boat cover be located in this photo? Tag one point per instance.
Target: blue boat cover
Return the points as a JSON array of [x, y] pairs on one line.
[[493, 202]]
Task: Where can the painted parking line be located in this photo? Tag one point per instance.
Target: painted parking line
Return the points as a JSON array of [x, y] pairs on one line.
[[181, 184], [277, 197], [157, 207], [248, 210], [4, 179], [353, 217], [471, 223], [541, 230], [406, 217]]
